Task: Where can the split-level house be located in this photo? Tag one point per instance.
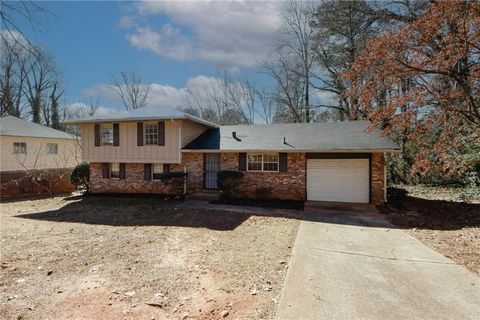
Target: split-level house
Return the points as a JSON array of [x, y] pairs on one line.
[[325, 161]]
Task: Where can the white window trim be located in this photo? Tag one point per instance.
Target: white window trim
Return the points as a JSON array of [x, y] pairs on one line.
[[106, 126], [145, 133], [48, 148], [153, 170], [15, 148], [110, 171], [264, 154]]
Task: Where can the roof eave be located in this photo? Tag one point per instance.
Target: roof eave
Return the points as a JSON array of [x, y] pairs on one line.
[[290, 150]]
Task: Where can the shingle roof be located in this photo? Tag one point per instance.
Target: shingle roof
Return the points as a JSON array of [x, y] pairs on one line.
[[142, 115], [346, 136], [13, 126]]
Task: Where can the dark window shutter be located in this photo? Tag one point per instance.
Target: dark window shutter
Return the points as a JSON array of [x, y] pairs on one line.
[[116, 134], [161, 133], [166, 168], [242, 161], [105, 170], [147, 171], [122, 171], [139, 133], [97, 134], [282, 162]]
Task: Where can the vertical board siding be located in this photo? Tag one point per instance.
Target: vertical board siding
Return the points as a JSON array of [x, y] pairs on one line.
[[128, 151]]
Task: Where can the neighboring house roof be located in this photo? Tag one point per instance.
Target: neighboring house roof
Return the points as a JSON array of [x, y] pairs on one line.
[[347, 136], [13, 126], [142, 115]]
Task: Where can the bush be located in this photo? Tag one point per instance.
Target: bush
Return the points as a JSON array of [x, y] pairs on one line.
[[175, 180], [396, 196], [80, 176], [229, 182]]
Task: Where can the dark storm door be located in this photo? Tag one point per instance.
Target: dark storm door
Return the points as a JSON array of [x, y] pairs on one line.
[[211, 166]]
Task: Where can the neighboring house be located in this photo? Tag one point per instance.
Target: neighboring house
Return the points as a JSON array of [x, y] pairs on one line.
[[35, 158], [328, 161]]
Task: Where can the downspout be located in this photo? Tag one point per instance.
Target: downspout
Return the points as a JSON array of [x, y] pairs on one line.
[[180, 156]]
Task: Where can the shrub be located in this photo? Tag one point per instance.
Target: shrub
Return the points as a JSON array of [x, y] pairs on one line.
[[175, 180], [80, 176], [229, 182], [396, 196]]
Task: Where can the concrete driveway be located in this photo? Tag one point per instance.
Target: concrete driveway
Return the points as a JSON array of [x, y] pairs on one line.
[[360, 267]]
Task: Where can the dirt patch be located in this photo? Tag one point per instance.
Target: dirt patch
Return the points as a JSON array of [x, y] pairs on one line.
[[139, 258], [448, 225], [278, 204]]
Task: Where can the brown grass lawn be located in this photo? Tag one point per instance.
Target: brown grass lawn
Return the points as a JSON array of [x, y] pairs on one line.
[[440, 219], [139, 258]]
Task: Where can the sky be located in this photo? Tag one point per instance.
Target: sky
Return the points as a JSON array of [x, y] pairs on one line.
[[171, 45]]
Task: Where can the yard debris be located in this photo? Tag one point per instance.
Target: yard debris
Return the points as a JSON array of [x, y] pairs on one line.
[[12, 297], [253, 290], [154, 304], [130, 293], [224, 313], [49, 272]]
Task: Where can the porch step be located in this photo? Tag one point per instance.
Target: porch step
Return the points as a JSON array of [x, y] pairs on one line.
[[205, 196]]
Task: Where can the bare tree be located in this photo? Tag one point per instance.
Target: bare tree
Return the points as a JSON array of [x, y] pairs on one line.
[[296, 40], [266, 107], [130, 91]]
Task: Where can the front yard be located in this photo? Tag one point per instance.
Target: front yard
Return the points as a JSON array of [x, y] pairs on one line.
[[139, 258], [442, 219]]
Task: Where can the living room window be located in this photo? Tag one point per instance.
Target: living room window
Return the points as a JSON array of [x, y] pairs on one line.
[[157, 171], [19, 148], [262, 162], [107, 133], [52, 148], [151, 133], [115, 170]]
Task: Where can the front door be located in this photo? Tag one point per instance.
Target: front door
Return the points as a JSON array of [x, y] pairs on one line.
[[211, 166]]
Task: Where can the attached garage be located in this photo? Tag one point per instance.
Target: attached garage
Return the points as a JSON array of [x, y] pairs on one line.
[[339, 180]]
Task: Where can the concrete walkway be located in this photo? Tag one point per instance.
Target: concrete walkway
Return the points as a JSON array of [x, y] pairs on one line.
[[360, 267]]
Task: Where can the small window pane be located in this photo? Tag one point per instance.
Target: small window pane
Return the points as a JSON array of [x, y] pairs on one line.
[[254, 162], [151, 134], [157, 171], [115, 170], [52, 148], [270, 162], [19, 148], [107, 134]]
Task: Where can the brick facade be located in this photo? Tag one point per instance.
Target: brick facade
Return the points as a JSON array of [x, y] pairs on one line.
[[15, 183], [134, 181], [290, 185], [279, 185], [378, 179]]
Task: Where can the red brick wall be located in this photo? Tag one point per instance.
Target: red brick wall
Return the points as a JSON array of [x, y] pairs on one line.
[[17, 183], [280, 185], [378, 179], [134, 181]]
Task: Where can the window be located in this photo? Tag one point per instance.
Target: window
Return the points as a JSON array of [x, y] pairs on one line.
[[157, 171], [52, 148], [19, 148], [107, 133], [115, 170], [262, 162], [151, 133]]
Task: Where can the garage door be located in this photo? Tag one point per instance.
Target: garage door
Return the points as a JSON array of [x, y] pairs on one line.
[[340, 180]]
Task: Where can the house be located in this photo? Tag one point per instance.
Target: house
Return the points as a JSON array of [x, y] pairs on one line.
[[35, 158], [328, 161]]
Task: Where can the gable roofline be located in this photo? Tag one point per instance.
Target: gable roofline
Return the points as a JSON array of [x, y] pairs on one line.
[[16, 127]]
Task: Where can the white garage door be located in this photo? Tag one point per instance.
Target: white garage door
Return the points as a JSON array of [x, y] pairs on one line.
[[340, 180]]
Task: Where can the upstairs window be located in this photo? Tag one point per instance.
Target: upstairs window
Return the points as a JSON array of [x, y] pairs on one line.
[[262, 162], [151, 133], [52, 148], [107, 133], [19, 148]]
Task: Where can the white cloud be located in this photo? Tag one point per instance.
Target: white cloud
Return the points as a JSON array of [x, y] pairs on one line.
[[239, 33]]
